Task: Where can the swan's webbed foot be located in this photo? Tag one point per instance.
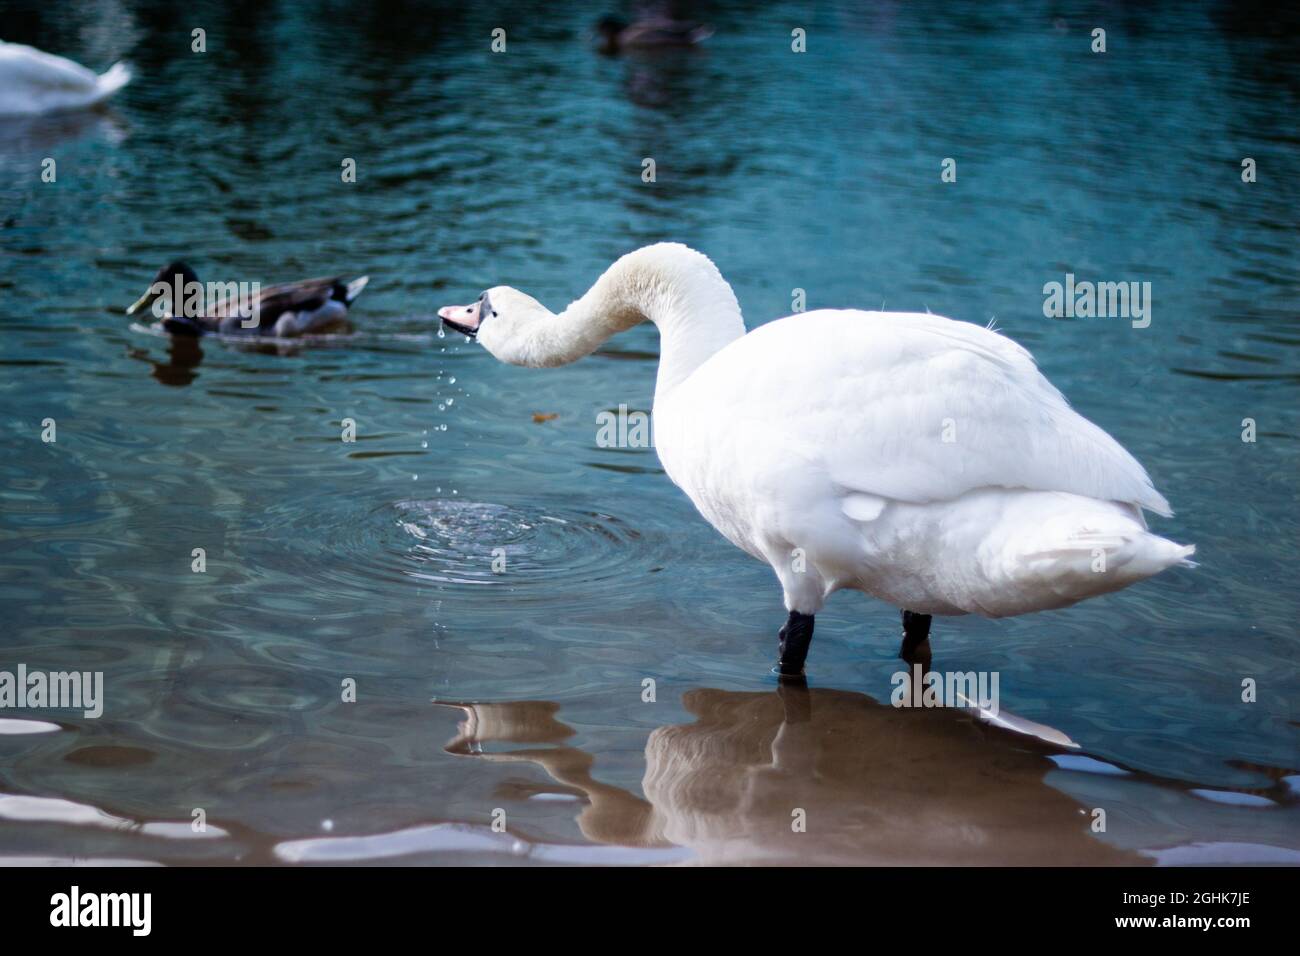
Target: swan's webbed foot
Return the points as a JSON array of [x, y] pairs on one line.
[[916, 639], [795, 637]]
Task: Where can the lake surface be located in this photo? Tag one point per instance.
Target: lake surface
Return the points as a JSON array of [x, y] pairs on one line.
[[518, 697]]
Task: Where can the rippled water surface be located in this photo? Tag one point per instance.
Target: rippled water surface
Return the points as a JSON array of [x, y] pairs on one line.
[[524, 692]]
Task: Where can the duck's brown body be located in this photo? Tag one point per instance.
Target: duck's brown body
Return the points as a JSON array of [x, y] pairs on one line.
[[649, 33], [283, 310]]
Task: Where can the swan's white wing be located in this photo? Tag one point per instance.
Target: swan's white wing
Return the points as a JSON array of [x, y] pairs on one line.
[[914, 408]]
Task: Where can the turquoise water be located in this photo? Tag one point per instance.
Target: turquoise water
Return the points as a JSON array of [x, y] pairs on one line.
[[371, 561]]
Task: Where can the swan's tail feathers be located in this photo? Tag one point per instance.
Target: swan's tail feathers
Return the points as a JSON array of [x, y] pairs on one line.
[[1096, 562], [112, 80], [1122, 555], [1057, 556], [1152, 554]]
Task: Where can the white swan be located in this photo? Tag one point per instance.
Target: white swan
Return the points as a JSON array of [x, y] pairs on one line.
[[924, 461], [32, 81]]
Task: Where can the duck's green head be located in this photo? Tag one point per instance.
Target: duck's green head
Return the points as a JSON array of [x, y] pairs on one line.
[[168, 281]]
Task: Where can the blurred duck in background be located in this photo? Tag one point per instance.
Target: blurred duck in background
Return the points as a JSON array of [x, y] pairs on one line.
[[34, 82], [653, 26], [286, 310]]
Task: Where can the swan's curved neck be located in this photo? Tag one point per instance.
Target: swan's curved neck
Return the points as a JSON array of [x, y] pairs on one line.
[[676, 288]]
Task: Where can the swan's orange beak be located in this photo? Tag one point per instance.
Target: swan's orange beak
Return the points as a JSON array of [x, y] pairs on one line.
[[462, 318]]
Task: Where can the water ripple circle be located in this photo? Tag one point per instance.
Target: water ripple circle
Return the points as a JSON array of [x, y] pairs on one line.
[[495, 545]]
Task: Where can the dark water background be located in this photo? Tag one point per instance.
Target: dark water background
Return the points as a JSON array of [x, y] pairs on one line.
[[371, 560]]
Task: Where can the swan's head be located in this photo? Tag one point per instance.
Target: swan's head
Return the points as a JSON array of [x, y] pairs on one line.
[[498, 320]]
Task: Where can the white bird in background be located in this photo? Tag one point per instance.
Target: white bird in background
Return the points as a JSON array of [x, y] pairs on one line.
[[922, 460], [32, 82]]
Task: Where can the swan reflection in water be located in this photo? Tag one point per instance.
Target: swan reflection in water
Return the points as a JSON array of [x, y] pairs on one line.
[[875, 784]]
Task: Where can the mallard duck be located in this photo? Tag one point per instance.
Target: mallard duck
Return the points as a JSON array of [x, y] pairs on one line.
[[32, 81], [305, 307], [651, 31]]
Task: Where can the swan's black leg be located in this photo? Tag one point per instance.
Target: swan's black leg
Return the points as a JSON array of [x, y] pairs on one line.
[[916, 638], [795, 638]]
